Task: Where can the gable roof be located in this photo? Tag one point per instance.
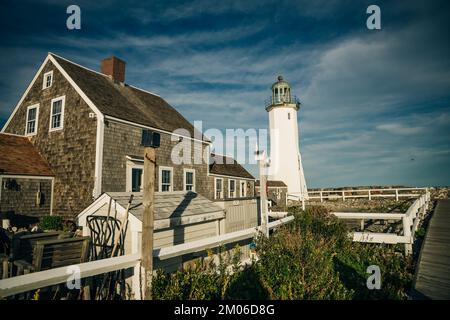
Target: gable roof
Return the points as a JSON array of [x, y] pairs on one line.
[[273, 183], [125, 102], [22, 157], [227, 166]]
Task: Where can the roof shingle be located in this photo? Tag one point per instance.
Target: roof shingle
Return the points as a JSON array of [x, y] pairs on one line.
[[18, 156]]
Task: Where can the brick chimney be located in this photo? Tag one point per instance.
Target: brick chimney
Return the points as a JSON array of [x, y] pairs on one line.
[[114, 67]]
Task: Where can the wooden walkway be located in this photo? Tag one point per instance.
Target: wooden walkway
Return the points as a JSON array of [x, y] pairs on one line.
[[433, 270]]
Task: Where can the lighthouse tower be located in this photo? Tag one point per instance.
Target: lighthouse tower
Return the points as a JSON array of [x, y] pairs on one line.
[[285, 160]]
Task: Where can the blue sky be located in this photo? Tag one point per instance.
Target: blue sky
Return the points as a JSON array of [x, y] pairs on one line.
[[376, 104]]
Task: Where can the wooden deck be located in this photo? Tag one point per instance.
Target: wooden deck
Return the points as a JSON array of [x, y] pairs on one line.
[[433, 271]]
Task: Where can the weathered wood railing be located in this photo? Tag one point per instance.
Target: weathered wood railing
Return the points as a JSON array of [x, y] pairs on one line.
[[33, 281], [410, 221], [370, 194]]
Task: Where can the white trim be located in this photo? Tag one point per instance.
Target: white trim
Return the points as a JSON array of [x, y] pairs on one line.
[[230, 177], [215, 188], [229, 188], [185, 170], [44, 80], [61, 124], [25, 93], [36, 120], [154, 129], [129, 177], [24, 176], [161, 168], [98, 157]]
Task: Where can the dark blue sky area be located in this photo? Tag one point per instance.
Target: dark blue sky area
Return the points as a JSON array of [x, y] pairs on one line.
[[376, 104]]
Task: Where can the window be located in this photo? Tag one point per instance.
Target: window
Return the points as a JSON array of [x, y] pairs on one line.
[[189, 179], [136, 179], [32, 120], [57, 113], [231, 188], [243, 189], [48, 80], [165, 179], [218, 188]]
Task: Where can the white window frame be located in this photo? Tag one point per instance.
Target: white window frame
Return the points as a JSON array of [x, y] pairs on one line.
[[63, 99], [44, 82], [193, 179], [243, 194], [160, 178], [129, 175], [215, 188], [36, 120], [229, 189]]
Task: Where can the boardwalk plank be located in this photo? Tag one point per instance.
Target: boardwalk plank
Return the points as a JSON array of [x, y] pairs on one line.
[[433, 276]]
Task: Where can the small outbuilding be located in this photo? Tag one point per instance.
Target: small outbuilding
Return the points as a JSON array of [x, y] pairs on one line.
[[26, 182]]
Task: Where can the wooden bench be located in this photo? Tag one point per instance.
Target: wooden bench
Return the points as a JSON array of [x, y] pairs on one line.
[[23, 245], [49, 254]]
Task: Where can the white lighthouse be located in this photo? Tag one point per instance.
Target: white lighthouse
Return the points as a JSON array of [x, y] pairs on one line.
[[285, 160]]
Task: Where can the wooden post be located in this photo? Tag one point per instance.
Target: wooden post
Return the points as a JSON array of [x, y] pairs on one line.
[[262, 193], [147, 221], [407, 233], [370, 195], [343, 195], [396, 194], [321, 196]]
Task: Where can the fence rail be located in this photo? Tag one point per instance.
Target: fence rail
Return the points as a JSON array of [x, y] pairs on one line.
[[396, 193], [410, 222], [33, 281]]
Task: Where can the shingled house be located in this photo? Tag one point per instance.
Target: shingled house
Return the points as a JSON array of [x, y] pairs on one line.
[[87, 126], [26, 179]]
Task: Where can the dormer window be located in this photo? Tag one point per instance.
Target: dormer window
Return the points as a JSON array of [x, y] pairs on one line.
[[48, 80], [32, 120]]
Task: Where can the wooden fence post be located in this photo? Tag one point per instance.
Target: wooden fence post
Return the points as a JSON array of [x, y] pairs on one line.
[[396, 194], [148, 220]]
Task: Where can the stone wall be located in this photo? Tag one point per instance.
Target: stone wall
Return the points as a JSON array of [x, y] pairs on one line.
[[70, 151], [19, 196]]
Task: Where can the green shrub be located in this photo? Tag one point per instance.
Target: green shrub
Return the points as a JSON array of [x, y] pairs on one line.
[[52, 223], [310, 258]]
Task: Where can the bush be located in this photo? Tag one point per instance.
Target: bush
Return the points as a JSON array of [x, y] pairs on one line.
[[309, 258], [52, 223]]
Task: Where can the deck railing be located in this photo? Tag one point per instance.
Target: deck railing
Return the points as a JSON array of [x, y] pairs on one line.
[[410, 222], [33, 281]]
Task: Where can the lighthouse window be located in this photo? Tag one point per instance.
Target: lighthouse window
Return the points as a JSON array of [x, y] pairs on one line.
[[289, 116]]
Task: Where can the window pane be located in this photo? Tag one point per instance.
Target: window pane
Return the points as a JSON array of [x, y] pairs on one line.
[[232, 185], [57, 107], [136, 180], [219, 185], [165, 176], [32, 114], [189, 178]]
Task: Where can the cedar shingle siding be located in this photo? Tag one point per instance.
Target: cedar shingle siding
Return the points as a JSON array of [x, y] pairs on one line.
[[70, 152], [121, 140], [19, 196]]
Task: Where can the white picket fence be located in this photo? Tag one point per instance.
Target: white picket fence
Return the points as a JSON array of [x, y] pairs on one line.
[[410, 221], [36, 280], [370, 194]]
